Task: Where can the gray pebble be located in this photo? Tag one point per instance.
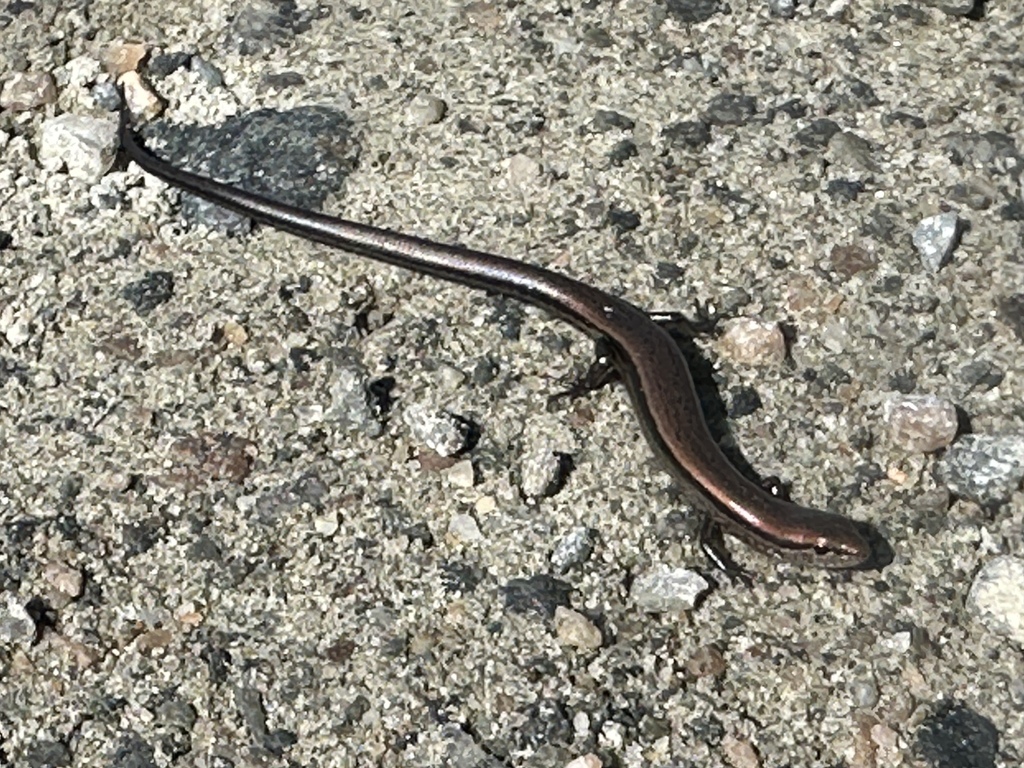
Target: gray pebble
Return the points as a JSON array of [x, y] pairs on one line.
[[211, 75], [921, 423], [730, 109], [425, 109], [693, 11], [936, 238], [85, 146], [16, 626], [439, 431], [784, 8], [996, 597], [663, 589], [574, 549], [985, 468], [954, 7]]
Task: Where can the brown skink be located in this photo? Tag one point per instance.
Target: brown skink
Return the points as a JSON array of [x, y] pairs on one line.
[[646, 356]]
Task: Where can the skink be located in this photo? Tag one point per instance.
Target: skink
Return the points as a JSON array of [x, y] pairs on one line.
[[646, 356]]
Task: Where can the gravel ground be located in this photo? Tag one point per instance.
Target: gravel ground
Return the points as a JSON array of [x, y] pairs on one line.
[[266, 504]]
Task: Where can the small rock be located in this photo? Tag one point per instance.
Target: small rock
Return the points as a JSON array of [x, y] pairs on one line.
[[785, 9], [16, 324], [16, 626], [935, 238], [576, 630], [149, 292], [141, 101], [585, 761], [543, 468], [461, 474], [818, 133], [86, 146], [440, 432], [463, 528], [953, 7], [65, 579], [706, 661], [984, 468], [848, 150], [210, 74], [749, 341], [536, 594], [689, 134], [425, 109], [106, 96], [326, 524], [485, 505], [153, 640], [118, 59], [523, 171], [350, 408], [574, 549], [740, 753], [996, 597], [921, 423], [47, 754], [28, 90], [730, 109], [663, 589], [607, 120], [234, 334], [693, 11], [849, 260]]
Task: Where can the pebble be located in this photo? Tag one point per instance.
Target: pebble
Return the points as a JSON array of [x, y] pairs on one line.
[[749, 341], [984, 468], [16, 324], [85, 146], [425, 109], [574, 549], [118, 59], [585, 761], [687, 134], [740, 753], [935, 238], [16, 626], [542, 471], [28, 90], [576, 630], [996, 597], [663, 589], [65, 579], [461, 474], [786, 9], [523, 171], [326, 524], [706, 661], [439, 431], [210, 74], [921, 423], [953, 7], [349, 406], [850, 151], [849, 260], [730, 109], [463, 528], [141, 101], [694, 11]]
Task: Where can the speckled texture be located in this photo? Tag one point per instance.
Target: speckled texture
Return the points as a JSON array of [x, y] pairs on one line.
[[269, 574]]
